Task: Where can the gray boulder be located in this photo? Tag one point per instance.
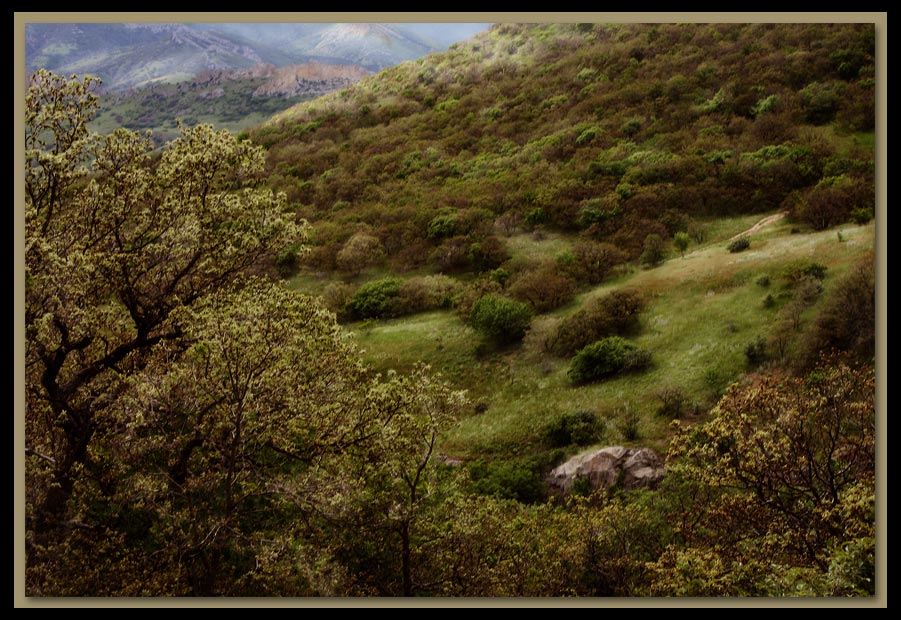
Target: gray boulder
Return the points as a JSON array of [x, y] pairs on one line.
[[634, 468]]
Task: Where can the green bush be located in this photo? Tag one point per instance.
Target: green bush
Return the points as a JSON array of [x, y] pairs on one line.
[[862, 215], [755, 352], [500, 320], [443, 226], [605, 358], [535, 217], [615, 314], [740, 244], [508, 480], [578, 428], [376, 300], [654, 250]]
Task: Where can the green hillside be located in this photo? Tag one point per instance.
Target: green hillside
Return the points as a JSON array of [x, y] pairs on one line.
[[536, 162], [613, 132]]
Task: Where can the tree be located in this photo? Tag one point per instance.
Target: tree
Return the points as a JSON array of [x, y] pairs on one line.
[[192, 429], [654, 251], [361, 251], [782, 475], [116, 241], [681, 240]]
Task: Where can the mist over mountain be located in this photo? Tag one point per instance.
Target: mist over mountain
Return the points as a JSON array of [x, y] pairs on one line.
[[135, 55]]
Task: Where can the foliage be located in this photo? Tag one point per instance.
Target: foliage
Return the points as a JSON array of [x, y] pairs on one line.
[[362, 250], [508, 480], [500, 320], [672, 401], [193, 430], [576, 134], [615, 314], [578, 428], [376, 300], [783, 475], [681, 241], [654, 251], [606, 357], [740, 244], [544, 289], [847, 321]]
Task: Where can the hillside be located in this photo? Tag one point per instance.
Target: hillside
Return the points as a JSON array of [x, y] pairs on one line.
[[233, 99], [611, 132], [555, 164]]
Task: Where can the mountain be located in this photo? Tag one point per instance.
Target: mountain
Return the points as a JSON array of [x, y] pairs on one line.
[[134, 55]]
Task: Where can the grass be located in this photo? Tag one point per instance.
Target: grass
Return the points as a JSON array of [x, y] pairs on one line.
[[701, 312]]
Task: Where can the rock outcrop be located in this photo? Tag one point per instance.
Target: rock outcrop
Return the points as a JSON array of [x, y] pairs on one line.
[[633, 468]]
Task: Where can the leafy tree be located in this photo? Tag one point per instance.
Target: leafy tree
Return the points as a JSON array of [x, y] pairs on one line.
[[681, 240], [115, 243], [782, 475], [192, 430], [362, 250], [654, 250]]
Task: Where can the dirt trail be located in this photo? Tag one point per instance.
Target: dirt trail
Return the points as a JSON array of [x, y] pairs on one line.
[[764, 222]]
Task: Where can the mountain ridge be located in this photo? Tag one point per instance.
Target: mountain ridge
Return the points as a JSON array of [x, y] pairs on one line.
[[130, 55]]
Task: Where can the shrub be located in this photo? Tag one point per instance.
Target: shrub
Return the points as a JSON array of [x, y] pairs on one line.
[[680, 240], [615, 314], [443, 226], [427, 293], [337, 296], [535, 217], [594, 261], [672, 401], [601, 359], [848, 318], [508, 480], [544, 289], [376, 300], [288, 261], [763, 281], [361, 250], [628, 422], [739, 244], [578, 428], [500, 320], [862, 215], [654, 250], [755, 352], [487, 254]]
